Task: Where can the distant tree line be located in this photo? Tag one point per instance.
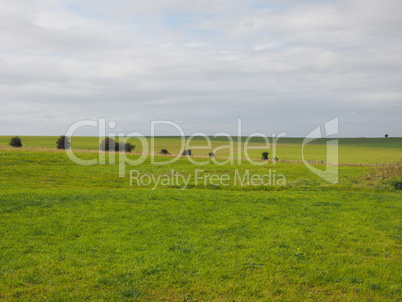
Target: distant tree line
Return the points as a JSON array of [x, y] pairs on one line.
[[64, 142], [109, 144]]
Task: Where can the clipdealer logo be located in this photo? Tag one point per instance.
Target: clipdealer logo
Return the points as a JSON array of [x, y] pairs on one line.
[[201, 178], [237, 147]]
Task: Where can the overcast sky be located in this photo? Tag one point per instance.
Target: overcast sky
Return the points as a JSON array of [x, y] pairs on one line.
[[280, 66]]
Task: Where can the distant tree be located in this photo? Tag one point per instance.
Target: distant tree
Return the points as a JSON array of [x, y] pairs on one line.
[[386, 135], [128, 147], [63, 142], [164, 152], [187, 152], [265, 155], [118, 147], [108, 144], [15, 142]]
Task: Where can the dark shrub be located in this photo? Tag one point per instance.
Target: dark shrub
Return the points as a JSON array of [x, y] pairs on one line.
[[15, 142], [187, 152], [128, 147], [63, 142], [109, 144], [386, 135], [265, 155], [164, 151]]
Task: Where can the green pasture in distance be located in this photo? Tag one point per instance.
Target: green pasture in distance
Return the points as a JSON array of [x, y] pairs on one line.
[[351, 150], [35, 169]]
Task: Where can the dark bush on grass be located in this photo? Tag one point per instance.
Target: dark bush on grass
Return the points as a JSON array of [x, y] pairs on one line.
[[15, 142], [109, 144], [187, 152], [128, 147], [265, 155], [63, 142], [164, 152]]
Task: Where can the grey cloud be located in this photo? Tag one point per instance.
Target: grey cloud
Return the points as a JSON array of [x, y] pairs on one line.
[[284, 68]]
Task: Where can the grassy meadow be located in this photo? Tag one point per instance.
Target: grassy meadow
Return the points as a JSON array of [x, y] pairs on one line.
[[351, 150], [70, 232]]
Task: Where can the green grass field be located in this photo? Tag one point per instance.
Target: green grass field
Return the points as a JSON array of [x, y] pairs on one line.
[[351, 150], [70, 232]]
